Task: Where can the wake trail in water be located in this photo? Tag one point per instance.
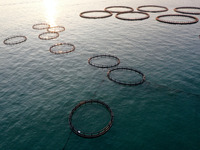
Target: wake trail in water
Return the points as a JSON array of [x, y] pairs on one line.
[[167, 88]]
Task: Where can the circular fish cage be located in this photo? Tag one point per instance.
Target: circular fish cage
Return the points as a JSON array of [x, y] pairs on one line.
[[108, 14], [62, 52], [178, 9], [140, 81], [40, 26], [129, 9], [96, 133], [132, 19], [56, 29], [90, 61], [55, 35], [142, 8], [195, 20], [11, 40]]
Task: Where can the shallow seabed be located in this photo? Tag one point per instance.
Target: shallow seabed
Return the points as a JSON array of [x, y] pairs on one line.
[[38, 89]]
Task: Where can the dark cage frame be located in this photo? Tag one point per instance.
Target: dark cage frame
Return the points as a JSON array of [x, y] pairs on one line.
[[56, 27], [14, 43], [164, 9], [56, 36], [126, 7], [35, 26], [125, 83], [109, 14], [177, 9], [176, 22], [62, 52], [130, 19], [104, 66], [92, 134]]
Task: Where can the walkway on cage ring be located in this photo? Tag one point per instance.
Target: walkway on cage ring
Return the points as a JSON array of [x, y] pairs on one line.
[[104, 56], [56, 34], [62, 52], [146, 16], [195, 20], [128, 9], [8, 41], [92, 134], [125, 83], [41, 26], [178, 9], [56, 29], [108, 14], [162, 8]]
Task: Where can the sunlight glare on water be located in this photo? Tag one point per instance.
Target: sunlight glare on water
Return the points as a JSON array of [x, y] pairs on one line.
[[50, 11]]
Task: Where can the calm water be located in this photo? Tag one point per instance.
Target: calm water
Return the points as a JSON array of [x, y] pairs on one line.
[[38, 89]]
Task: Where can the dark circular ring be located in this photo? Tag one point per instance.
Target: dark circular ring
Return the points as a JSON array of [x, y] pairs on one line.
[[177, 9], [13, 43], [61, 52], [92, 134], [124, 83], [126, 7], [40, 36], [130, 19], [152, 11], [104, 66], [59, 27], [176, 22], [94, 11], [35, 26]]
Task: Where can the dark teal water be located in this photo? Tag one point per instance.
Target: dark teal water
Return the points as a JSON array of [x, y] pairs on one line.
[[38, 89]]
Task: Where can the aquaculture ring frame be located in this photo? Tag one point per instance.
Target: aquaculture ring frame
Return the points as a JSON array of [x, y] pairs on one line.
[[129, 19], [61, 27], [152, 11], [37, 28], [130, 9], [62, 52], [185, 12], [123, 83], [178, 23], [104, 66], [39, 36], [93, 11], [14, 43], [93, 134]]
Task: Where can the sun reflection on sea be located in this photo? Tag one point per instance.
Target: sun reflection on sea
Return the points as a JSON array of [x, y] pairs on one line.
[[50, 13]]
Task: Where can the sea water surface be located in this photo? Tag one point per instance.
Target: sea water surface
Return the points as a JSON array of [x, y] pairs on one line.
[[39, 89]]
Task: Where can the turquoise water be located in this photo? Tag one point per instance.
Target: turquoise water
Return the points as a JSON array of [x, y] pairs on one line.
[[38, 89]]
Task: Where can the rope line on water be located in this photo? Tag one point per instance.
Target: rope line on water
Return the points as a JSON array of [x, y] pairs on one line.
[[94, 94], [67, 140]]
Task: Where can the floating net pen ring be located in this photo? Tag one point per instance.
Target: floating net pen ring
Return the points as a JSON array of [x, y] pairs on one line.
[[195, 20], [37, 26], [48, 38], [104, 66], [62, 52], [95, 11], [126, 7], [92, 134], [177, 9], [55, 28], [132, 19], [6, 41], [163, 9], [125, 83]]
